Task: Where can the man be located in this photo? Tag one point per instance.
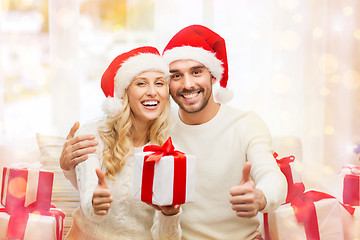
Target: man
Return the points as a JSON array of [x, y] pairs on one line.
[[236, 175]]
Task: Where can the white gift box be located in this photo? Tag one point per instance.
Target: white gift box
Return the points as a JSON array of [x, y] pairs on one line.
[[37, 227], [163, 182], [351, 224], [284, 225]]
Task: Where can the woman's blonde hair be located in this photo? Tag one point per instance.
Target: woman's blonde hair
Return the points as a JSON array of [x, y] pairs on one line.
[[116, 133]]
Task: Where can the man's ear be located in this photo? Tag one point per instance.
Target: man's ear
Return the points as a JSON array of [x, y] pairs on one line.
[[213, 80]]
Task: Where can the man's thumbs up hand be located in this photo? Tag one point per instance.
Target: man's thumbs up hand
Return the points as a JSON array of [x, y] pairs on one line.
[[246, 173], [246, 199], [102, 198]]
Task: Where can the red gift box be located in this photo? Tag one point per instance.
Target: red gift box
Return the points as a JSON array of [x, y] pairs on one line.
[[25, 191], [351, 185], [164, 176], [24, 187]]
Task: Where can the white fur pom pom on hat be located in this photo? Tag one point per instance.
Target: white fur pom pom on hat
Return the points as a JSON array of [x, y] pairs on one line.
[[111, 106], [223, 95]]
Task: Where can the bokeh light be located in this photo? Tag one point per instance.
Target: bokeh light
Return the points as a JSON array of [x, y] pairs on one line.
[[348, 11], [17, 187], [335, 78], [351, 79], [324, 91], [318, 32], [328, 64], [328, 170], [329, 130], [357, 34]]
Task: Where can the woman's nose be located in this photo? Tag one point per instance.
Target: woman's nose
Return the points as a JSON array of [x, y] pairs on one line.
[[151, 91]]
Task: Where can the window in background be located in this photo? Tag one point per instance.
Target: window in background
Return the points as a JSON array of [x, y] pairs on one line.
[[33, 98], [24, 64]]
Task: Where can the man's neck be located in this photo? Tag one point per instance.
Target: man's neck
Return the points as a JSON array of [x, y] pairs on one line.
[[201, 117]]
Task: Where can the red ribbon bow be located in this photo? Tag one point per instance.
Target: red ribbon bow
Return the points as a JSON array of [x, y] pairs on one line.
[[165, 150], [179, 186], [284, 164]]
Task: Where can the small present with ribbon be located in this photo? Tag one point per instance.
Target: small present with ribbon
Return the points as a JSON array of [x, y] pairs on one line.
[[164, 176], [292, 173], [351, 184], [25, 190], [25, 185], [310, 215], [39, 225]]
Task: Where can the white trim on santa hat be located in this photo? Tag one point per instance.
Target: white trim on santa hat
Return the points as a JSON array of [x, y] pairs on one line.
[[135, 66], [207, 58]]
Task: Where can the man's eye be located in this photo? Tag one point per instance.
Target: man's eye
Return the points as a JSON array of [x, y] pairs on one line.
[[196, 72], [175, 76]]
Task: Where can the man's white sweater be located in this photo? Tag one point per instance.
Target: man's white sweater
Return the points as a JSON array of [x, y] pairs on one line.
[[222, 146]]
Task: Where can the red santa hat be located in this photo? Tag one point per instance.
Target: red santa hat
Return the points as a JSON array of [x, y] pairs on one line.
[[203, 45], [123, 69]]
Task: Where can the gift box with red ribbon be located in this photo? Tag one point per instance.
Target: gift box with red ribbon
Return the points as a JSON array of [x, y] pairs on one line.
[[24, 187], [164, 176], [46, 225], [26, 195], [310, 215], [351, 184], [291, 172]]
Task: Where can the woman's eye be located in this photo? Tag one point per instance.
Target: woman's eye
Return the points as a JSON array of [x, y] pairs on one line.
[[140, 84], [159, 83]]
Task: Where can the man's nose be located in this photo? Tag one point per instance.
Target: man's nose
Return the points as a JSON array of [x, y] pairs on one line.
[[188, 82]]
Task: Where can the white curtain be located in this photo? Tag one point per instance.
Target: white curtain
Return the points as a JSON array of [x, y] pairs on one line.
[[296, 63]]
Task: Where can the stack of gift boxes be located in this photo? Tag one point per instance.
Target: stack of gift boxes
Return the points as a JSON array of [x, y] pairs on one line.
[[27, 212], [315, 215]]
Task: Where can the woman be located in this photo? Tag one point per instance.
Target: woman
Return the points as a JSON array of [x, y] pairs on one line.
[[137, 108]]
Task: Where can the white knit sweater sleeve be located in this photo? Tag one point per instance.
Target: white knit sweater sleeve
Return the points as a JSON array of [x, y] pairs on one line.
[[87, 179], [265, 172], [166, 227], [71, 176]]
